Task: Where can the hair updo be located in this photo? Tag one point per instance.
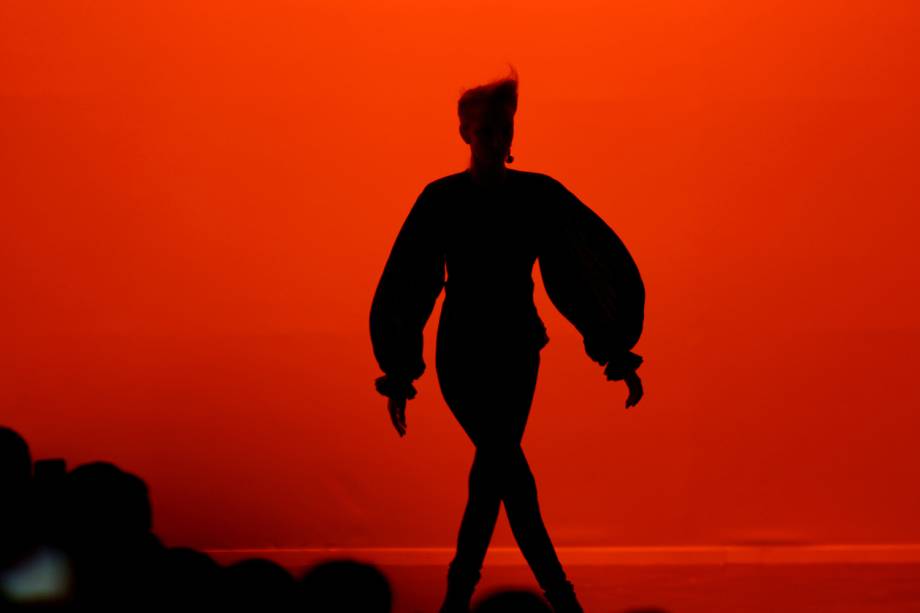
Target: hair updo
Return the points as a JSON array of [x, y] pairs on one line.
[[494, 99]]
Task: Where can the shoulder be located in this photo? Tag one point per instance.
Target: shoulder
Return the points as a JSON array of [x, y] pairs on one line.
[[526, 178], [533, 176], [430, 204], [541, 183], [437, 196], [544, 191], [445, 184]]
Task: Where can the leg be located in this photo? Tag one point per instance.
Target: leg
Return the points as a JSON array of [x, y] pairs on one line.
[[490, 395], [458, 379], [479, 517], [517, 486], [523, 510]]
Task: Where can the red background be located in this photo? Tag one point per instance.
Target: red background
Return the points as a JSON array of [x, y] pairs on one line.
[[198, 199]]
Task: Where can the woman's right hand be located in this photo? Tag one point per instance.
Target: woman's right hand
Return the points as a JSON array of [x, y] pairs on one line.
[[635, 389], [397, 408]]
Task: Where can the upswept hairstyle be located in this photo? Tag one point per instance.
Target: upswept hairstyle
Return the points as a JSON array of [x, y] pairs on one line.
[[493, 97]]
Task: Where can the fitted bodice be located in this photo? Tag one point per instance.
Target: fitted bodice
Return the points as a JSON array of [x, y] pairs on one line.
[[490, 238]]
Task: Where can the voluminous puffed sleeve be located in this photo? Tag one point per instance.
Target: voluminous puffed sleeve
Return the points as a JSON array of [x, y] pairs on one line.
[[592, 279], [406, 293]]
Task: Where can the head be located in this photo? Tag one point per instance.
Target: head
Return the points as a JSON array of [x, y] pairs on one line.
[[108, 508], [345, 584], [15, 480], [486, 116], [15, 463]]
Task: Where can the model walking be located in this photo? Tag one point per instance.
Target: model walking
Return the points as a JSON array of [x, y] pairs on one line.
[[488, 225]]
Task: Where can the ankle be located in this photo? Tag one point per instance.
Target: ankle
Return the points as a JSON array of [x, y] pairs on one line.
[[562, 598], [460, 588]]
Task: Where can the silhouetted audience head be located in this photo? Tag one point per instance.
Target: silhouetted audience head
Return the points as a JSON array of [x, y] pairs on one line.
[[107, 506], [346, 585], [15, 480], [117, 559], [257, 584], [15, 462], [189, 579], [513, 601]]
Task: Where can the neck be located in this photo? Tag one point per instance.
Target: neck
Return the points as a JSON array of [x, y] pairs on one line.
[[488, 175]]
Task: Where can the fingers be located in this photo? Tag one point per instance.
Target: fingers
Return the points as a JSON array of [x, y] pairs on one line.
[[395, 422], [398, 415], [635, 392], [633, 399]]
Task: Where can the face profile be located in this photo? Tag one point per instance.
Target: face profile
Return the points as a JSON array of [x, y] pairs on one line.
[[489, 135], [486, 115]]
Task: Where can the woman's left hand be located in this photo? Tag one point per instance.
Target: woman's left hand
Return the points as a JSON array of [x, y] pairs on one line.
[[397, 408], [635, 389]]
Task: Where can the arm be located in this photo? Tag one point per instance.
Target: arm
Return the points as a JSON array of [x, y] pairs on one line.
[[405, 296], [590, 276]]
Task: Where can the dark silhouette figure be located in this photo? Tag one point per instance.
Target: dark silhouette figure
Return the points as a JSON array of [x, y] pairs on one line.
[[518, 601], [92, 549], [485, 228], [258, 584], [189, 580], [108, 535], [346, 585], [15, 491]]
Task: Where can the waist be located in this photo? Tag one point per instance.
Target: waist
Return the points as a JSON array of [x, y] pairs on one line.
[[492, 317], [475, 290]]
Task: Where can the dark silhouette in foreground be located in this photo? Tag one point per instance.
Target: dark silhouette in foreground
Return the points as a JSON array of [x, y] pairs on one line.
[[330, 587], [519, 601], [257, 584], [477, 234], [94, 550]]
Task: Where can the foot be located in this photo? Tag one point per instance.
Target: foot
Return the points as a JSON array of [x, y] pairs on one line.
[[563, 599], [455, 606], [459, 592]]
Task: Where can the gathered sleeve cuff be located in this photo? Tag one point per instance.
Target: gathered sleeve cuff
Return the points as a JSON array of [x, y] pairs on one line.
[[620, 366], [395, 387]]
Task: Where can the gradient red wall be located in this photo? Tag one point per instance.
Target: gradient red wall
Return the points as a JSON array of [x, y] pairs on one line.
[[198, 199]]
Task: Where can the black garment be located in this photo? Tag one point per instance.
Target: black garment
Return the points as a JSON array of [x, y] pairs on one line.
[[490, 335], [488, 238]]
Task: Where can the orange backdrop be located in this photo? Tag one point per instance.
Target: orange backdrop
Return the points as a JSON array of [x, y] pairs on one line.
[[198, 199]]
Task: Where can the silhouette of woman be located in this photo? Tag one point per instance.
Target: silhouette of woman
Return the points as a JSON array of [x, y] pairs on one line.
[[488, 225]]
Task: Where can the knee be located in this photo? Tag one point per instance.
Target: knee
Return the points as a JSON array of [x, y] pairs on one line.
[[499, 461]]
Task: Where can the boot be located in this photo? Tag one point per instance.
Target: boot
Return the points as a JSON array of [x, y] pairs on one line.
[[460, 588], [562, 598]]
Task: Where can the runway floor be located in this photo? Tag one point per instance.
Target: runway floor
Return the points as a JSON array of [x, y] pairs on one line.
[[748, 588]]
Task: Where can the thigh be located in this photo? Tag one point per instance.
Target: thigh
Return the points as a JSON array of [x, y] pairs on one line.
[[488, 389]]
